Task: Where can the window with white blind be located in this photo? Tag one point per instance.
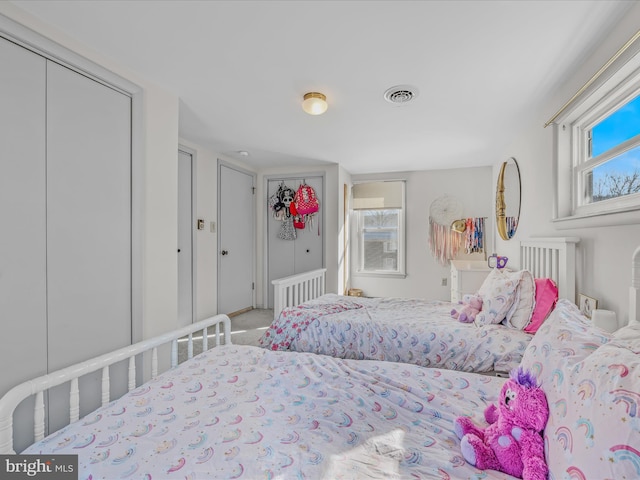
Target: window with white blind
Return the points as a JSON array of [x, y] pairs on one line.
[[379, 211]]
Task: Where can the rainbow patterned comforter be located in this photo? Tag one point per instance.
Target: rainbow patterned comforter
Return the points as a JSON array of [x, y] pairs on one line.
[[251, 413], [397, 330]]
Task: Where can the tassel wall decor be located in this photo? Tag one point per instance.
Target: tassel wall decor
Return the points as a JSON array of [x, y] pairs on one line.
[[443, 242], [474, 235]]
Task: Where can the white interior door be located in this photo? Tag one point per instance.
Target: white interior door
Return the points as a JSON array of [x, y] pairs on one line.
[[185, 238], [280, 253], [236, 239], [306, 252], [88, 224]]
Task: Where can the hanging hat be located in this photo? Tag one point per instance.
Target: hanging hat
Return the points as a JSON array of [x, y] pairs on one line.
[[459, 226]]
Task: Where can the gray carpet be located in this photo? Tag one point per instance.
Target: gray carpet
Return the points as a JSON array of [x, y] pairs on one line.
[[246, 329]]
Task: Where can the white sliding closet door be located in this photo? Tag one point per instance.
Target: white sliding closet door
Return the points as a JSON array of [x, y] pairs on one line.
[[305, 253], [23, 334], [65, 226], [88, 219]]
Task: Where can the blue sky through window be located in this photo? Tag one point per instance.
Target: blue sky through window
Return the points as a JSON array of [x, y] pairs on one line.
[[617, 128]]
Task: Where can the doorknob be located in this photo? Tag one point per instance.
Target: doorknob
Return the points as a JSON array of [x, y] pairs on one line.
[[178, 250], [225, 252]]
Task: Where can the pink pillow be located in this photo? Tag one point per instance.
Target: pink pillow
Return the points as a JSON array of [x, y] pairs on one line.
[[546, 298]]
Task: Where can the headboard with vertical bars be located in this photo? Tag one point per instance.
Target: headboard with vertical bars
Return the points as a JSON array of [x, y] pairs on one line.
[[552, 257]]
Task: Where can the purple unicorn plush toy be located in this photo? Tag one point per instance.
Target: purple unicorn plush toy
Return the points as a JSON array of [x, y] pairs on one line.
[[512, 443]]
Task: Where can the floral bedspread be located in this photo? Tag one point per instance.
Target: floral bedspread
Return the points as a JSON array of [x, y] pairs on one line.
[[398, 330], [251, 413]]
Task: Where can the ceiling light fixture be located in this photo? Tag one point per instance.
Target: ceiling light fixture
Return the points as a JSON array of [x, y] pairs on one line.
[[314, 103]]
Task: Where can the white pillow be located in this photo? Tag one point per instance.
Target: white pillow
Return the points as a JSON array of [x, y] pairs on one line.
[[498, 292], [519, 315]]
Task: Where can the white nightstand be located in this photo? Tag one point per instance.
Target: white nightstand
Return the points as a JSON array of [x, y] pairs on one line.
[[466, 277]]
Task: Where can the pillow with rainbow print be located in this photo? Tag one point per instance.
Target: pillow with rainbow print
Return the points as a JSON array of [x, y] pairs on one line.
[[594, 420]]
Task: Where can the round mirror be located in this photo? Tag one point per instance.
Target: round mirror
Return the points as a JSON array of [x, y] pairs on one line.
[[508, 197]]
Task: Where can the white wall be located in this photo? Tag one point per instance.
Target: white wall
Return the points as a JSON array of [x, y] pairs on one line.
[[471, 186], [604, 263]]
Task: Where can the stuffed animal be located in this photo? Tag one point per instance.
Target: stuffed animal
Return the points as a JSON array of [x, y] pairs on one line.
[[471, 306], [513, 441]]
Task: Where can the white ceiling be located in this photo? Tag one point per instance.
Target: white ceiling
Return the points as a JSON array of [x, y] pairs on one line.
[[240, 69]]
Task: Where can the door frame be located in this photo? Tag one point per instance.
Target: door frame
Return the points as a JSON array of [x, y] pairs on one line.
[[265, 202], [194, 208], [254, 240]]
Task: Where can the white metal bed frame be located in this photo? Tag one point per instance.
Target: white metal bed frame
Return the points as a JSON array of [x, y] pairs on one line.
[[71, 374], [547, 258]]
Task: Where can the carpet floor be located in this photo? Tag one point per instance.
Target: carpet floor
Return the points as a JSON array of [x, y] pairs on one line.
[[246, 329]]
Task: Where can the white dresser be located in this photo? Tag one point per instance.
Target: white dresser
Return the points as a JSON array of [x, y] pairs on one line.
[[466, 277]]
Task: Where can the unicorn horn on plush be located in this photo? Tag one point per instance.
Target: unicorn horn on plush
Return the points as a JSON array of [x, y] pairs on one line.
[[513, 441]]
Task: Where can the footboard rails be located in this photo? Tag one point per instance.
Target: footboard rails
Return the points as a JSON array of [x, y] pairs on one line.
[[296, 289], [218, 326]]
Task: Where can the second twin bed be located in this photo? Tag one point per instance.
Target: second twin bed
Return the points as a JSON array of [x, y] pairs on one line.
[[423, 332]]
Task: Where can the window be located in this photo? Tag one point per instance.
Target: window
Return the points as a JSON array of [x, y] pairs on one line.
[[379, 213], [610, 168], [599, 149]]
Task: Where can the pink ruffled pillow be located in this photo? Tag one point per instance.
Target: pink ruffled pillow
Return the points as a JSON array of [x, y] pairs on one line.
[[546, 298]]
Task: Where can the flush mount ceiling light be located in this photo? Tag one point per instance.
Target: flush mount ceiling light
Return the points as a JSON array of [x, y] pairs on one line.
[[400, 94], [314, 103]]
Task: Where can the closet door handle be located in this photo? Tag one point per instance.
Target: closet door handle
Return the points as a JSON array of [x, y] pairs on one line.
[[225, 252]]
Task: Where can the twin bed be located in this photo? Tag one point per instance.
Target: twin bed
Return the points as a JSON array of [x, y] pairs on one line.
[[411, 330], [249, 412]]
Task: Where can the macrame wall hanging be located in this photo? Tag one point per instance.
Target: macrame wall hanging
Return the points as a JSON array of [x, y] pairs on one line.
[[443, 241], [448, 233]]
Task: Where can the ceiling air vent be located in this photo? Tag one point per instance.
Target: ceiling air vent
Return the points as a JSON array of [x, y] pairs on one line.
[[400, 94]]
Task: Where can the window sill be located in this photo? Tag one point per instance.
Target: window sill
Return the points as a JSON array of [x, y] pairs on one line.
[[380, 274], [623, 216]]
